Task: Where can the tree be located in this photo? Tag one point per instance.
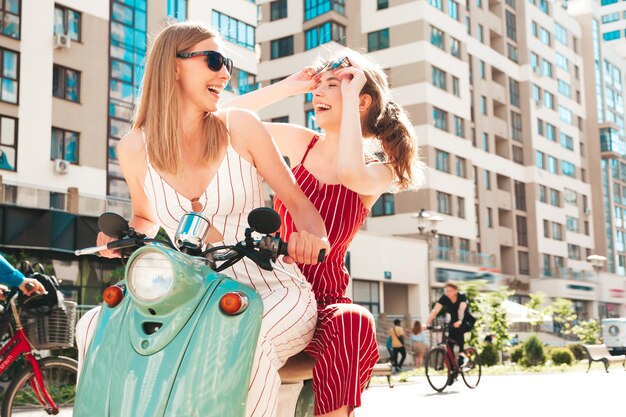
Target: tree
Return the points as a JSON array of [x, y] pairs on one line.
[[587, 331], [564, 315], [496, 319], [537, 309], [475, 303]]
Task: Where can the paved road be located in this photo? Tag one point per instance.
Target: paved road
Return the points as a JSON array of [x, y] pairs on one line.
[[536, 395]]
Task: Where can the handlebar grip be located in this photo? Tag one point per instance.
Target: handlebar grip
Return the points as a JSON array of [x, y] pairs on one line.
[[321, 256], [282, 250]]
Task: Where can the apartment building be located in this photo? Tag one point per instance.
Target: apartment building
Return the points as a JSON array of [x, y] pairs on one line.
[[70, 76], [495, 92]]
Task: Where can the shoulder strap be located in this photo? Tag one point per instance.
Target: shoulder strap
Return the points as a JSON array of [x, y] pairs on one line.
[[311, 145]]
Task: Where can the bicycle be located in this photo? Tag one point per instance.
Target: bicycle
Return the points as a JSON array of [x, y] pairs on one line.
[[47, 384], [442, 368]]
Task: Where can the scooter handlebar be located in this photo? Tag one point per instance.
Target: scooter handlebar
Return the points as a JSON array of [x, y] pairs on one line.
[[282, 250]]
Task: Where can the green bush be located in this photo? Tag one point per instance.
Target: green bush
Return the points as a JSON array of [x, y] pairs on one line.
[[578, 351], [533, 352], [517, 353], [489, 355], [562, 356]]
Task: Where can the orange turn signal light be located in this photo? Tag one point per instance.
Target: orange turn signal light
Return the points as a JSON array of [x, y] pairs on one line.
[[113, 295], [233, 303]]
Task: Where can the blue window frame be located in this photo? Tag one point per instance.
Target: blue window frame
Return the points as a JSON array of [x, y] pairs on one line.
[[68, 22], [234, 30], [281, 47], [314, 8], [567, 168], [8, 143], [10, 16], [9, 76], [378, 40], [326, 32], [609, 36], [177, 9]]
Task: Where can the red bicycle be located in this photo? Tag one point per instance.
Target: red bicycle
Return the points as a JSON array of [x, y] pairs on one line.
[[44, 384], [442, 368]]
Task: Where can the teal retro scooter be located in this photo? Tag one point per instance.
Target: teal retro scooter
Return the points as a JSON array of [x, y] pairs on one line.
[[177, 337]]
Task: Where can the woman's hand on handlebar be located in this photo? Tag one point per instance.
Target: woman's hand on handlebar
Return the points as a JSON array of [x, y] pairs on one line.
[[103, 239], [304, 248], [32, 286]]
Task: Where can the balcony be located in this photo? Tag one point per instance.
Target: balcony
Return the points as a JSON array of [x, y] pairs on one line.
[[567, 273], [466, 257]]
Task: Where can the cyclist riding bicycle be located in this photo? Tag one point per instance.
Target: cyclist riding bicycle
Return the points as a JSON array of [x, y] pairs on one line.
[[461, 320], [14, 278]]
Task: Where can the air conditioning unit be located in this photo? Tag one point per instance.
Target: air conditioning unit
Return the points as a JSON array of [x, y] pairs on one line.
[[62, 40], [61, 166]]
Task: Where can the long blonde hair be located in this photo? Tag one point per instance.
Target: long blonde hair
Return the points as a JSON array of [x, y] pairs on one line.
[[389, 123], [158, 108]]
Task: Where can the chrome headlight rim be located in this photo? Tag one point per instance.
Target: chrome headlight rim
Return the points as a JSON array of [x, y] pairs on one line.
[[161, 267]]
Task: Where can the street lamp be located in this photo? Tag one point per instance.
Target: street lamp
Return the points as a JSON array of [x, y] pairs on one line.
[[597, 262], [427, 225]]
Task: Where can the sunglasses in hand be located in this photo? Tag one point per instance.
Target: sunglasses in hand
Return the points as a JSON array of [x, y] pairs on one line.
[[215, 60], [339, 63]]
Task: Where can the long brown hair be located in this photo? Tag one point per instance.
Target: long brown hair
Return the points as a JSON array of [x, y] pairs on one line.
[[158, 107], [388, 122], [417, 327]]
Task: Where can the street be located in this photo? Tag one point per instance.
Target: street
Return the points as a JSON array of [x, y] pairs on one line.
[[536, 395]]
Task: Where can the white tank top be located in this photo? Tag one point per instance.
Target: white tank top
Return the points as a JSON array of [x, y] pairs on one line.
[[235, 190]]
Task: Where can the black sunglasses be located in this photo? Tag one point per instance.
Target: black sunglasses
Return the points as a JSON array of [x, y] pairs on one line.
[[338, 63], [215, 60]]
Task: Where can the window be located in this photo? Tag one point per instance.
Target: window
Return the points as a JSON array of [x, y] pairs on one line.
[[573, 251], [234, 30], [487, 179], [482, 69], [67, 22], [512, 52], [544, 36], [568, 169], [485, 142], [382, 4], [439, 78], [542, 194], [548, 99], [9, 76], [518, 155], [314, 8], [461, 167], [480, 35], [570, 196], [456, 90], [176, 9], [64, 145], [547, 270], [534, 60], [455, 48], [612, 35], [567, 141], [384, 206], [281, 119], [511, 29], [442, 161], [539, 158], [522, 230], [459, 127], [441, 118], [438, 4], [550, 132], [562, 62], [523, 263], [282, 47], [444, 205], [540, 127], [378, 40], [516, 126], [460, 202], [514, 92], [483, 105], [326, 32], [553, 165], [546, 229], [546, 68], [557, 231], [564, 88], [520, 195], [611, 17], [66, 83], [8, 143], [10, 18], [560, 34], [489, 221], [571, 223], [565, 115], [453, 9], [437, 38], [278, 10], [366, 294], [310, 120], [555, 198]]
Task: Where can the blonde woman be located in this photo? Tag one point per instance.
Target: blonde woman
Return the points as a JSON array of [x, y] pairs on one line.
[[418, 344], [184, 154]]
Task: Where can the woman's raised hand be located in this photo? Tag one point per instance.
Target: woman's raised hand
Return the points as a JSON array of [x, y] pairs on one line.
[[302, 82], [304, 248], [352, 80]]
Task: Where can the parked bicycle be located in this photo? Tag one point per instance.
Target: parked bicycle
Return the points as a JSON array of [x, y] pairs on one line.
[[41, 384], [442, 368]]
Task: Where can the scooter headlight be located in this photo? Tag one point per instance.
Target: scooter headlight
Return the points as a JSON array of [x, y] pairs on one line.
[[150, 276]]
